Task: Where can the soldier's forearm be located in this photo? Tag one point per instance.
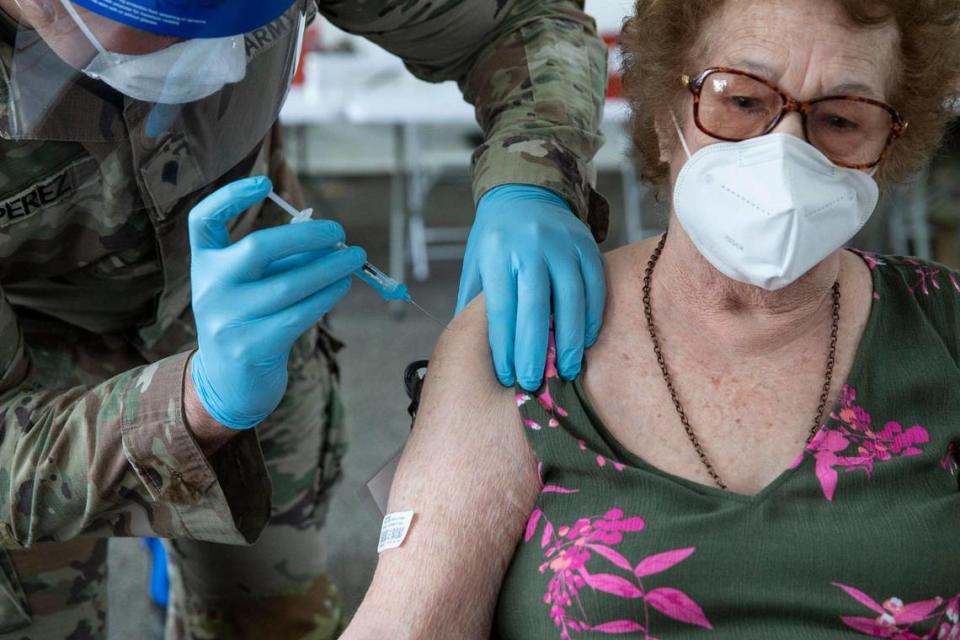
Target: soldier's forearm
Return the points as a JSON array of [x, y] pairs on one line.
[[209, 434], [539, 89], [123, 455]]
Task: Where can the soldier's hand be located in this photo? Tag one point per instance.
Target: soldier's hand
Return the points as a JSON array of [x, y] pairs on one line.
[[532, 257], [248, 311]]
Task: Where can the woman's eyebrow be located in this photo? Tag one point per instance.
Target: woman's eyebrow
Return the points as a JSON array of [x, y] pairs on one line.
[[753, 66], [855, 88], [842, 88]]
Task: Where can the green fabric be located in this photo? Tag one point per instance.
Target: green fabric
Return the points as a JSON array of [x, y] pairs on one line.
[[860, 538]]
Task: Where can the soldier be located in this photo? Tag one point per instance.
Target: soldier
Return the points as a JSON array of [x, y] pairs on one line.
[[127, 127]]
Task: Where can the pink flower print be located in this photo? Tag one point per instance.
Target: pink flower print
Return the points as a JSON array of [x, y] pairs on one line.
[[552, 422], [825, 446], [550, 371], [601, 460], [853, 428], [852, 415], [536, 426], [926, 279], [550, 488], [949, 628], [799, 459], [951, 461], [894, 441], [553, 488], [522, 399], [546, 401], [544, 398], [532, 424], [897, 620], [872, 259], [568, 549]]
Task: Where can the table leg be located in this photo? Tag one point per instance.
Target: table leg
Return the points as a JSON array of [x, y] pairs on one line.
[[418, 186]]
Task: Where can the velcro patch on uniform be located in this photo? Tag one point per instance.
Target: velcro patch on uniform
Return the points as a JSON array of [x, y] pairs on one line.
[[47, 192]]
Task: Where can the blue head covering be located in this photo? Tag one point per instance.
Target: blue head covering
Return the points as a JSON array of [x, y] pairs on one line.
[[190, 18]]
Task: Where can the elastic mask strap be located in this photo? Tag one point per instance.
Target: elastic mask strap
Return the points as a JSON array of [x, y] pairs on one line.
[[683, 140], [301, 30], [85, 29], [873, 171]]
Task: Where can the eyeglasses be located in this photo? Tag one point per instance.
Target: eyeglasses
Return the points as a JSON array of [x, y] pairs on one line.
[[734, 105]]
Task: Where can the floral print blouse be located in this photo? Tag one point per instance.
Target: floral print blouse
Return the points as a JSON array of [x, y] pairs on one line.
[[859, 537]]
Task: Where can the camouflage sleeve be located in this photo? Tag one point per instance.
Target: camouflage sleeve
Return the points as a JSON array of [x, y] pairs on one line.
[[534, 69], [116, 459]]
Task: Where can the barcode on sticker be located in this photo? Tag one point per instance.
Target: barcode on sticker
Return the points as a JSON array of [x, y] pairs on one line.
[[394, 530]]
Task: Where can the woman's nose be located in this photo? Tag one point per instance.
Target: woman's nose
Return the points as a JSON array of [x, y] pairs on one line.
[[791, 124]]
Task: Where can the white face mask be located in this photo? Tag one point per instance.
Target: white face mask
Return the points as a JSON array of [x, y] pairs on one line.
[[766, 210], [178, 74]]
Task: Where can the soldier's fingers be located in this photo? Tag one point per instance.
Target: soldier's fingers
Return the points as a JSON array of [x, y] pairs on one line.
[[271, 295], [250, 256], [208, 219]]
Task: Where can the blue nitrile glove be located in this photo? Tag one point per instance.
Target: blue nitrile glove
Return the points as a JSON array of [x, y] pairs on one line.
[[252, 299], [529, 253]]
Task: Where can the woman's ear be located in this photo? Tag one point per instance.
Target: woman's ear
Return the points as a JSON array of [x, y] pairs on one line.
[[666, 135]]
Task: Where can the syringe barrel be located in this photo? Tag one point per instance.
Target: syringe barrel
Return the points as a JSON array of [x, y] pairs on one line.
[[387, 287]]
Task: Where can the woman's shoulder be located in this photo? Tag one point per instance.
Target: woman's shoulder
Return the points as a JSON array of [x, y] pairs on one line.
[[912, 293], [461, 357]]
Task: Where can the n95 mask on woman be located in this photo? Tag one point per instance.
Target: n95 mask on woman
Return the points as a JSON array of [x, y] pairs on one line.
[[766, 210]]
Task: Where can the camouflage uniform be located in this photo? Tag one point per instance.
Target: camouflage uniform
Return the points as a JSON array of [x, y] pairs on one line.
[[96, 332]]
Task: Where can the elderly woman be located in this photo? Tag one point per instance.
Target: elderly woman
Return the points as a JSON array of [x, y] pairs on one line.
[[764, 442]]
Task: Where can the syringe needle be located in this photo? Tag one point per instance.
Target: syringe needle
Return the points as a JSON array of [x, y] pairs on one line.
[[427, 313]]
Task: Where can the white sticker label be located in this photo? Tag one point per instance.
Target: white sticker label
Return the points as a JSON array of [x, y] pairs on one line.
[[394, 530]]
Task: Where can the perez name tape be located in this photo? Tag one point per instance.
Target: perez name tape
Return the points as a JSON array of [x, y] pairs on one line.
[[394, 530], [46, 192]]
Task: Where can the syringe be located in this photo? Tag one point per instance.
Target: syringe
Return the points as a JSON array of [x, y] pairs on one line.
[[388, 288]]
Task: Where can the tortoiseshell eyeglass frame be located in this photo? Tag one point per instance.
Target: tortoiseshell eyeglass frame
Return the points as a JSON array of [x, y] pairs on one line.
[[897, 124]]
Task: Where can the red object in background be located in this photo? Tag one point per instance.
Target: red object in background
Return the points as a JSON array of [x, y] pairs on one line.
[[311, 36], [614, 84]]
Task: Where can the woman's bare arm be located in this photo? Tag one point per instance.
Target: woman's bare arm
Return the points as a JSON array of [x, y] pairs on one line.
[[470, 477]]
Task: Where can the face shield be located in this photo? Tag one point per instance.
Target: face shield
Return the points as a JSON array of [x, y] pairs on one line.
[[141, 75]]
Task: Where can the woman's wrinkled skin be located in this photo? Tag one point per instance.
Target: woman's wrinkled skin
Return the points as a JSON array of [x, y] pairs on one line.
[[748, 363]]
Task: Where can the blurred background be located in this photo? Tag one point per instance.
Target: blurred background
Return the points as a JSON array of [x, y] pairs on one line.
[[389, 157]]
